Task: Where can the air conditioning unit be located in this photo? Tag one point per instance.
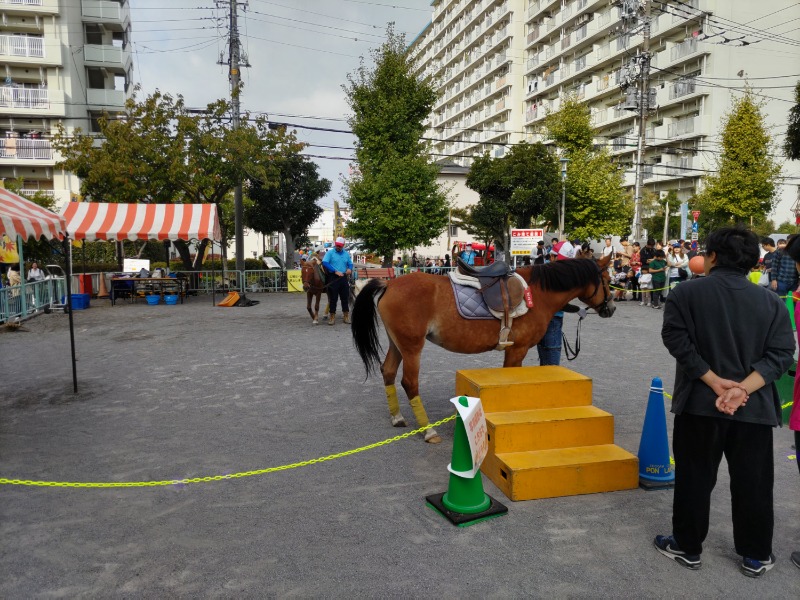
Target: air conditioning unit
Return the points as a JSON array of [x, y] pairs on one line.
[[663, 194]]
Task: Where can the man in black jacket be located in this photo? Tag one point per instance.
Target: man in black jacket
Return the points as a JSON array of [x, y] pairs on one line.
[[731, 340]]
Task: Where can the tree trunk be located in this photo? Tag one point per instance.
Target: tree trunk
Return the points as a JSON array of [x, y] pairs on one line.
[[288, 258], [183, 251], [387, 260]]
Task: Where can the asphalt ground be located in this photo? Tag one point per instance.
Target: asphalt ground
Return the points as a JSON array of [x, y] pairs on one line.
[[168, 392]]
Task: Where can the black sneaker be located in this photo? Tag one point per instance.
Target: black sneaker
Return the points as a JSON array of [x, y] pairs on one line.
[[756, 568], [667, 545], [796, 559]]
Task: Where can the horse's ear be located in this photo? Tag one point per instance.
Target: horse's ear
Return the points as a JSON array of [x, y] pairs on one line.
[[604, 261]]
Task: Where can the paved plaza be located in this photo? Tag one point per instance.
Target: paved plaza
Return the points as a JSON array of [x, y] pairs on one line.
[[168, 392]]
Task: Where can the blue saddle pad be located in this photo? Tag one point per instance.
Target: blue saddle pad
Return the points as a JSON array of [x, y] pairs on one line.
[[470, 303]]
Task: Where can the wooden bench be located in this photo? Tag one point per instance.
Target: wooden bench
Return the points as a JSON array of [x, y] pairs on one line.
[[380, 273]]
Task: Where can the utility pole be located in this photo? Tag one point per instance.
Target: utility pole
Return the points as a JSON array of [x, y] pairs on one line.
[[640, 10], [234, 63]]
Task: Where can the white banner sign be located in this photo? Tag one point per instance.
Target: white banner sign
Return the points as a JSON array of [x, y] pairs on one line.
[[475, 424], [134, 265], [525, 240]]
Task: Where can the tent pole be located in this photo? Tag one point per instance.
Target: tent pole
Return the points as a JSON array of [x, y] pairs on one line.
[[213, 276], [68, 255]]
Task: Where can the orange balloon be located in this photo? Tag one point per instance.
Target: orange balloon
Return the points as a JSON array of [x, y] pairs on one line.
[[697, 265]]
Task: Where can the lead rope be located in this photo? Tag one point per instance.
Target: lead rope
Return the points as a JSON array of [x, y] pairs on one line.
[[567, 348]]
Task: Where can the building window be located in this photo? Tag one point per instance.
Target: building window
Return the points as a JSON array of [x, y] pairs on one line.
[[96, 79], [453, 230], [94, 34]]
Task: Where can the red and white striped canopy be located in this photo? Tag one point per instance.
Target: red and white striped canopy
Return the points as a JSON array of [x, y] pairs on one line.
[[27, 219], [92, 221]]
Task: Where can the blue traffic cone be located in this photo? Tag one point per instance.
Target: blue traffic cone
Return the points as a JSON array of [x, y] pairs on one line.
[[655, 468]]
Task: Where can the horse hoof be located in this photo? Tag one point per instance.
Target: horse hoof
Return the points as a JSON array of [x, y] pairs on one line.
[[315, 322], [398, 421], [432, 437]]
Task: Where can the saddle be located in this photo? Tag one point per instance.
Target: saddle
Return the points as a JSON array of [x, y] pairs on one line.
[[502, 291]]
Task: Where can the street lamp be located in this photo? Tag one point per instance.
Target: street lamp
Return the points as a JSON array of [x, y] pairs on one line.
[[564, 161]]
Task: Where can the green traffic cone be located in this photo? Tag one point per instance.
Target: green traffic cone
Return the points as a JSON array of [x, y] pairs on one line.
[[464, 503], [464, 495], [790, 306]]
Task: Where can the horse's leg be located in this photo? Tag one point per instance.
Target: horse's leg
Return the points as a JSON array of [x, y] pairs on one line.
[[389, 371], [411, 386], [318, 295], [308, 307], [514, 356]]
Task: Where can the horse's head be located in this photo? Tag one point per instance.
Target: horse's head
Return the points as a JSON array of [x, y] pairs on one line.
[[600, 298], [307, 275]]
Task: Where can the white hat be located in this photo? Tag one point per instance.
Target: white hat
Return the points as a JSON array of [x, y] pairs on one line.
[[340, 241]]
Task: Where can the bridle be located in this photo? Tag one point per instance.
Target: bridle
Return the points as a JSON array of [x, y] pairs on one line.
[[602, 306]]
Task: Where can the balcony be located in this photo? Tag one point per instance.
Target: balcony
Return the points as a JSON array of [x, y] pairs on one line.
[[620, 144], [581, 32], [531, 114], [14, 97], [566, 41], [533, 62], [109, 99], [684, 12], [106, 12], [647, 172], [680, 168], [533, 8], [26, 149], [20, 45], [685, 48], [681, 127], [35, 6], [682, 87], [109, 57]]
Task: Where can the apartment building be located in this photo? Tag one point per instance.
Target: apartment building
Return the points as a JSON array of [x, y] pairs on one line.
[[501, 65], [64, 61]]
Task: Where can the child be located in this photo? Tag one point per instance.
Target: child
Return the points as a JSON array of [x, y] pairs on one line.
[[755, 273], [619, 280], [658, 269], [645, 284]]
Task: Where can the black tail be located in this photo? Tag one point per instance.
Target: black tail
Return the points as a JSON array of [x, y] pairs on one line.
[[365, 325]]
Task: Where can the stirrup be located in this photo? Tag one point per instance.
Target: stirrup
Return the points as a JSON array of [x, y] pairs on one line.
[[504, 343]]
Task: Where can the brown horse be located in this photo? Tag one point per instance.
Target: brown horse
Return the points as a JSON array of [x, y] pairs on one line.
[[313, 284], [420, 306]]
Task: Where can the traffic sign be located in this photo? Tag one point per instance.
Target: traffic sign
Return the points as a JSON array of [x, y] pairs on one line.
[[695, 214]]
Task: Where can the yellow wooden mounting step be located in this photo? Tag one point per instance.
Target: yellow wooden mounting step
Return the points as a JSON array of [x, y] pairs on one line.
[[525, 388], [563, 472], [549, 428], [545, 437]]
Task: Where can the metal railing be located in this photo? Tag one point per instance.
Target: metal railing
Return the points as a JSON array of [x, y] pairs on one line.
[[22, 45], [27, 149], [13, 97], [22, 301]]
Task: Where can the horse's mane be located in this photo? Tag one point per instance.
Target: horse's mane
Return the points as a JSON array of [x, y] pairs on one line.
[[565, 275]]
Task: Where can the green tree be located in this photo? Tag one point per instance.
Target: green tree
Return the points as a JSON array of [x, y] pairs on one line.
[[745, 183], [513, 189], [290, 207], [596, 204], [393, 193], [570, 127], [159, 151], [792, 144]]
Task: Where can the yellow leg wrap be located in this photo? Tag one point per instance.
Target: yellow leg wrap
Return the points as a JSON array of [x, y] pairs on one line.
[[419, 411], [391, 397]]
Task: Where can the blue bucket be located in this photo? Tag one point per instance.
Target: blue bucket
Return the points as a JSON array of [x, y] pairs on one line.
[[153, 300], [171, 298]]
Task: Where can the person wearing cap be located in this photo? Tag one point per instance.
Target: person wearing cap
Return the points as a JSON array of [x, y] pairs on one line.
[[537, 254], [468, 255], [339, 265]]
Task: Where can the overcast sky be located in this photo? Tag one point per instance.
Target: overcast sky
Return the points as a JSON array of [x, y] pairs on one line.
[[300, 53]]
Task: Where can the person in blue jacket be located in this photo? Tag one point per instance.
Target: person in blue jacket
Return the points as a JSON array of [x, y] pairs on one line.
[[468, 255], [339, 266]]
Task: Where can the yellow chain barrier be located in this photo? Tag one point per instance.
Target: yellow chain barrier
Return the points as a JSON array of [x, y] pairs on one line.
[[210, 478]]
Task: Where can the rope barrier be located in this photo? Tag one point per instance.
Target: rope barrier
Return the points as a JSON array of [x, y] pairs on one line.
[[210, 478]]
